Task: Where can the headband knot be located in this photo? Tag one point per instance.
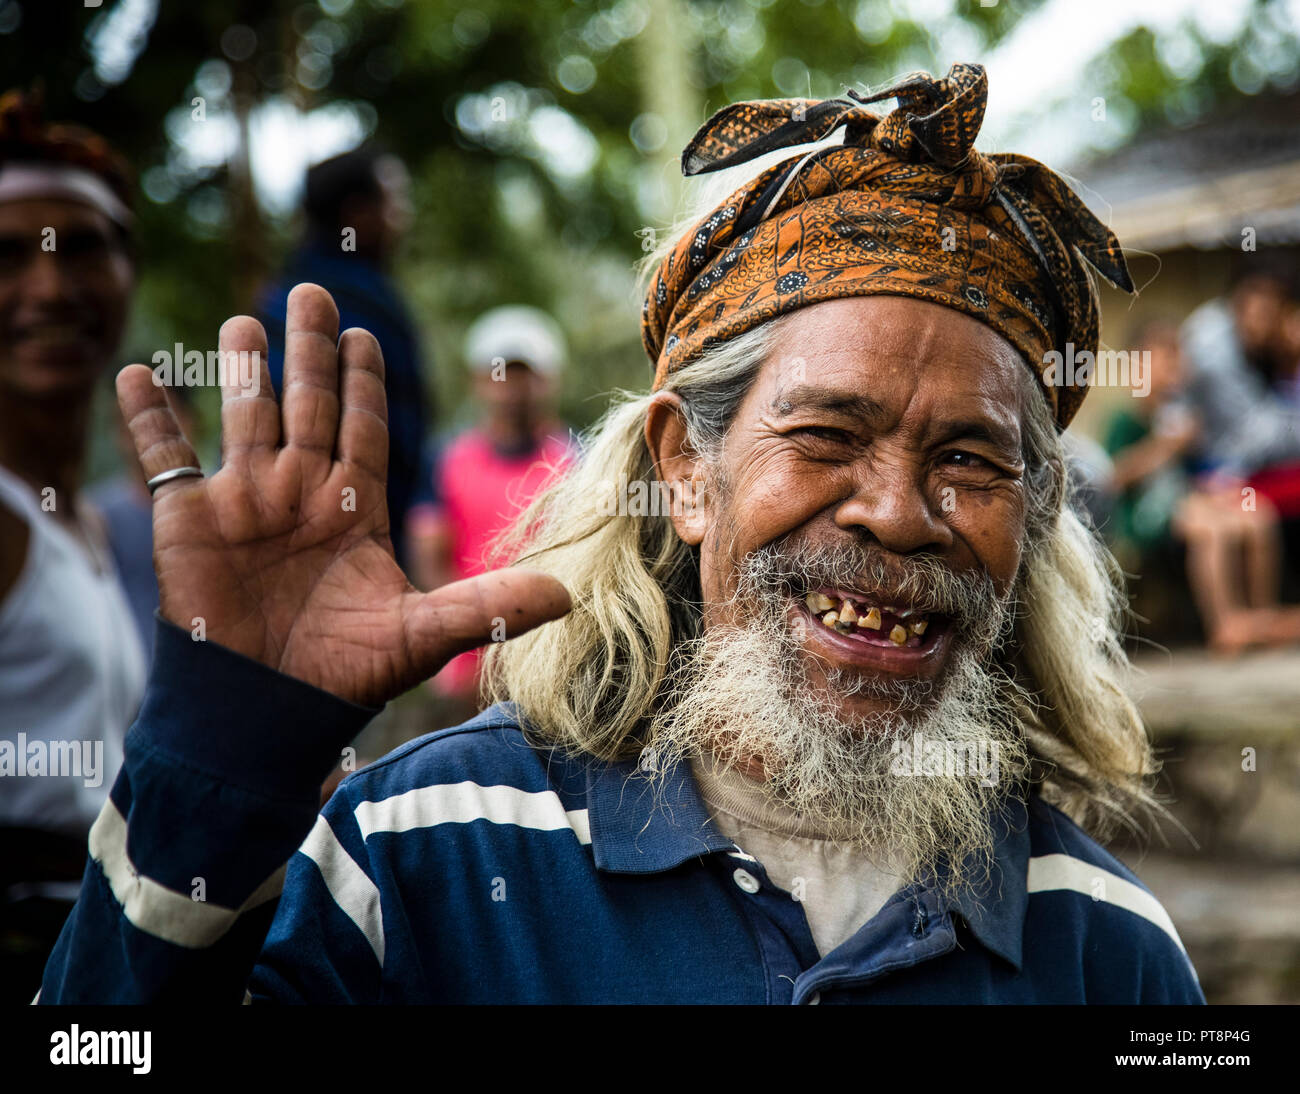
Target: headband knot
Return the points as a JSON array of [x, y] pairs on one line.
[[905, 206]]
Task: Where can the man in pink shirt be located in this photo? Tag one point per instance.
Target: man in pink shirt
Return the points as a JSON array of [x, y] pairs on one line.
[[486, 475]]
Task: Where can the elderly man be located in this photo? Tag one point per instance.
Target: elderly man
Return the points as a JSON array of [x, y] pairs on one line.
[[811, 727]]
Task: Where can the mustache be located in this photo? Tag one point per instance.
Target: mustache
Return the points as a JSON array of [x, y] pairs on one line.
[[924, 581]]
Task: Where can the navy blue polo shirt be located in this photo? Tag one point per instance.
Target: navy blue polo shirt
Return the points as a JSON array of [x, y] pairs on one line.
[[470, 866]]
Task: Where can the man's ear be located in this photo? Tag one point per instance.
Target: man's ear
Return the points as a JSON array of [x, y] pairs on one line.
[[678, 467]]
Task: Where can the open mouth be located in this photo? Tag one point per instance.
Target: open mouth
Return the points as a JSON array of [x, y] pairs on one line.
[[857, 617]]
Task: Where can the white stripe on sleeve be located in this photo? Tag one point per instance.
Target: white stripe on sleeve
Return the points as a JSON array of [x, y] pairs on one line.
[[154, 908], [353, 891], [1055, 872]]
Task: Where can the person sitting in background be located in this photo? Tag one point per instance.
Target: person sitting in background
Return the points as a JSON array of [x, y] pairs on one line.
[[491, 471], [1228, 345], [1148, 440], [1288, 352], [1280, 482], [71, 668], [358, 208], [1248, 458]]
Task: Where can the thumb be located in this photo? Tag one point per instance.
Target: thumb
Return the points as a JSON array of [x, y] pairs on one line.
[[491, 607]]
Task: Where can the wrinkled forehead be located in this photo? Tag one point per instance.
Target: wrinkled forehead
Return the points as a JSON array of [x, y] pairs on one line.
[[899, 354]]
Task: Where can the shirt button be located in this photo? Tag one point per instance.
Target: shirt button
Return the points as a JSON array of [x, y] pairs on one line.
[[746, 881]]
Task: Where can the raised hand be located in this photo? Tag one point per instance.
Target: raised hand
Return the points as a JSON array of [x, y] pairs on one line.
[[284, 553]]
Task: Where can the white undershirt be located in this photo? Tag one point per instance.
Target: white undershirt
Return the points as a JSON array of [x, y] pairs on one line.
[[71, 668], [841, 887]]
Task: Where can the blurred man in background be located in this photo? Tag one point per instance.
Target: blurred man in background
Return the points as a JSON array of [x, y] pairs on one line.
[[71, 667], [1248, 458], [1288, 354], [486, 475], [1229, 347], [358, 208]]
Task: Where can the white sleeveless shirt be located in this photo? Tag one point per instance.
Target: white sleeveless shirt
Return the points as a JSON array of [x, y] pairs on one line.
[[72, 675]]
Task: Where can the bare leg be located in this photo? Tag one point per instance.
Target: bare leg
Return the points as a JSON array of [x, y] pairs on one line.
[[1263, 557], [1284, 629], [1209, 562]]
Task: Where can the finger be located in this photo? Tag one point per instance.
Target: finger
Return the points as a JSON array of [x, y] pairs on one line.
[[309, 403], [250, 416], [160, 445], [495, 606], [363, 423]]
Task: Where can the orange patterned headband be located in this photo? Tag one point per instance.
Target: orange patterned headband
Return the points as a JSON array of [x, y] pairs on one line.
[[904, 207]]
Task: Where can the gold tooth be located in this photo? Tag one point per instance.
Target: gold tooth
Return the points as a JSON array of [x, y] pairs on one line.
[[918, 627], [847, 614], [818, 602], [898, 635], [871, 621]]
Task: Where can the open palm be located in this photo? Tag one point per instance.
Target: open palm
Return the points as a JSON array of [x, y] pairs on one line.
[[284, 554]]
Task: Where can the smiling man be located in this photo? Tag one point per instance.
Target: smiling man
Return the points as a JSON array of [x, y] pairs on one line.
[[72, 669], [830, 729]]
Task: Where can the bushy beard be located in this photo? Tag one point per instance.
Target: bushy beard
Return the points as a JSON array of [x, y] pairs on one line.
[[744, 691]]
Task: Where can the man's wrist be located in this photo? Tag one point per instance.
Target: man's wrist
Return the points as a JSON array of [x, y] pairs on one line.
[[237, 719]]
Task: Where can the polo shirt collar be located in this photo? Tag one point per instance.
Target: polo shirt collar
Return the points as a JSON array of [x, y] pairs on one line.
[[644, 827], [995, 913], [640, 827]]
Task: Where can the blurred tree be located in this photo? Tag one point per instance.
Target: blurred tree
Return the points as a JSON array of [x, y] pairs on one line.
[[541, 134], [1180, 76]]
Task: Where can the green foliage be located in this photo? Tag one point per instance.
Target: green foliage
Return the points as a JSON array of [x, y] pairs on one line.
[[1181, 77], [497, 222]]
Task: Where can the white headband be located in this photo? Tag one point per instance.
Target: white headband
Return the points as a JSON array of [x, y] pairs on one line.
[[22, 181]]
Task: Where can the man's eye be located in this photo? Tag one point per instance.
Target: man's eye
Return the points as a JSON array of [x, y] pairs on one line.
[[824, 433], [960, 458]]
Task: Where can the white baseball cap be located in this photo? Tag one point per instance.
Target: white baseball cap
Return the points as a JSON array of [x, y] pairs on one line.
[[515, 333]]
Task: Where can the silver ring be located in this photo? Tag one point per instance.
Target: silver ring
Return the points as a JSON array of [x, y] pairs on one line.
[[174, 473]]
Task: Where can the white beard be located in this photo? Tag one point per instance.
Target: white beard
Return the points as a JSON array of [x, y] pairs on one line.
[[743, 692]]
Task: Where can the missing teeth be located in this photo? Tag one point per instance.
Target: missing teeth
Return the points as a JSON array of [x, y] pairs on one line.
[[844, 617]]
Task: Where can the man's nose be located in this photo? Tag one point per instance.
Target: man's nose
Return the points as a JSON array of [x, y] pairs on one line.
[[892, 502], [46, 280]]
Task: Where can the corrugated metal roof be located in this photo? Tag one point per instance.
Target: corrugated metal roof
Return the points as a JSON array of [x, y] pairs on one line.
[[1201, 185]]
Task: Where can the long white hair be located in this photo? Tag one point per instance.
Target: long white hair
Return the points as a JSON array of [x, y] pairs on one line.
[[591, 681]]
